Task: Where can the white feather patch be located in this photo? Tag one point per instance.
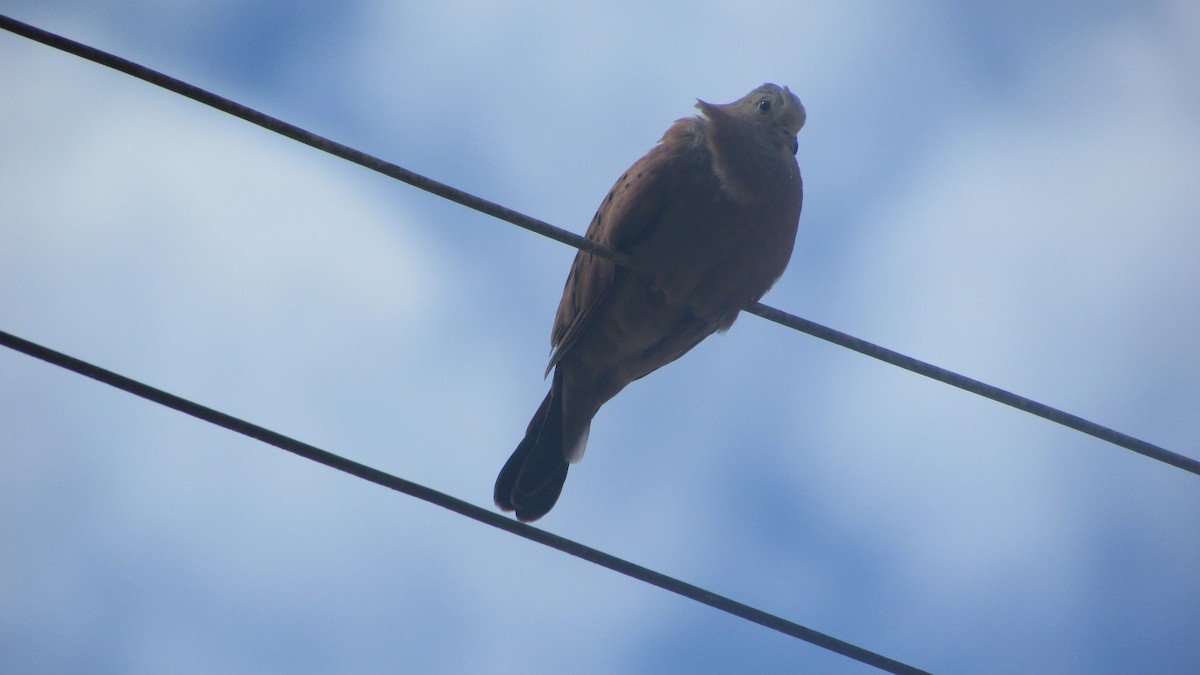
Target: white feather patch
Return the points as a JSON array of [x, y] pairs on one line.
[[575, 452]]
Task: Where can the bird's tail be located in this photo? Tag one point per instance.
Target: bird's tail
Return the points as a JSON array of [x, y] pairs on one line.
[[532, 478]]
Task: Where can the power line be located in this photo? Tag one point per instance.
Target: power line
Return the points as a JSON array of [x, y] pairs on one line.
[[571, 239], [308, 138], [974, 386], [458, 506]]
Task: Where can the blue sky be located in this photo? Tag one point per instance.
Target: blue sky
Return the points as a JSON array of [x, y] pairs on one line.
[[1008, 192]]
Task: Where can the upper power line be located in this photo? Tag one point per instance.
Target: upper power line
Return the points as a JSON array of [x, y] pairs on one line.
[[571, 239]]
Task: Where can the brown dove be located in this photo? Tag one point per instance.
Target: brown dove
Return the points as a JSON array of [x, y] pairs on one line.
[[710, 217]]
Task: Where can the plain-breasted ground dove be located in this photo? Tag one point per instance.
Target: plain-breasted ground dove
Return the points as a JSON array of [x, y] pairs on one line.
[[710, 215]]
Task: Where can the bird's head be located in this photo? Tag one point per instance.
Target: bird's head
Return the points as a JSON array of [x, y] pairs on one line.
[[771, 110]]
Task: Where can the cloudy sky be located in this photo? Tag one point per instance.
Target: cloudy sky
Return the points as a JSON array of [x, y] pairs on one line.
[[1011, 193]]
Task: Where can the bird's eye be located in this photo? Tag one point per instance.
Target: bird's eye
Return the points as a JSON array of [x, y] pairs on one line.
[[764, 105]]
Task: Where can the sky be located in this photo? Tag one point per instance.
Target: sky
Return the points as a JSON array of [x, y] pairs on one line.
[[1007, 191]]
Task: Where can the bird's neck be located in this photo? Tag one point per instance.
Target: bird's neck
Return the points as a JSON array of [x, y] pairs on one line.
[[750, 165]]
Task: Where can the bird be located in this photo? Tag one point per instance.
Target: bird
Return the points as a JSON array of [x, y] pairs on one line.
[[709, 216]]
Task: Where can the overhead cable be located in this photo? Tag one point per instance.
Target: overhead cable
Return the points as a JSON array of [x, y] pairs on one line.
[[458, 506]]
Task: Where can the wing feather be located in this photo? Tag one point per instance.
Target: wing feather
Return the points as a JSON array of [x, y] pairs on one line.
[[627, 215]]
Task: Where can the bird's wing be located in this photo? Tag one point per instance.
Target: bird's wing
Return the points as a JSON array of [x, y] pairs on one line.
[[626, 216]]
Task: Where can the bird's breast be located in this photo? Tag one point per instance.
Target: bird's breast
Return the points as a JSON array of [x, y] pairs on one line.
[[717, 254]]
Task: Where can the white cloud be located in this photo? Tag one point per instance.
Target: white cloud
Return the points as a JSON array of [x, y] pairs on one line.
[[1043, 241]]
